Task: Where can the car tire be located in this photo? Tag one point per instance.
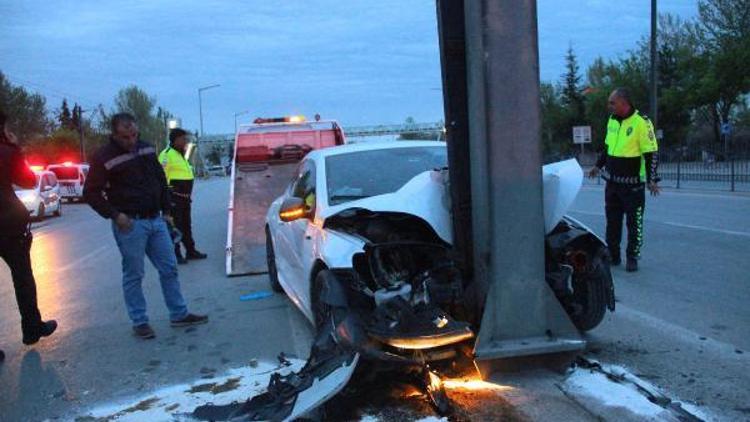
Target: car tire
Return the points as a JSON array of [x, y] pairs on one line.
[[273, 275], [40, 212], [58, 211], [590, 291]]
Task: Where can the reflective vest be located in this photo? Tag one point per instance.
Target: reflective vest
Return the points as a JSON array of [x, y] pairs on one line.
[[176, 167], [630, 139]]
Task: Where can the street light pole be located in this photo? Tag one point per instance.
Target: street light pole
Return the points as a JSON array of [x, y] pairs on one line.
[[235, 118], [200, 103], [653, 104]]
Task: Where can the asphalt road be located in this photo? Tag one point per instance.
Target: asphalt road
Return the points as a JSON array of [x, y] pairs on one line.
[[93, 358], [681, 322]]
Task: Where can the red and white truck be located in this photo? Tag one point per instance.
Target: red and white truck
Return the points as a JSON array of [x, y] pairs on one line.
[[265, 156]]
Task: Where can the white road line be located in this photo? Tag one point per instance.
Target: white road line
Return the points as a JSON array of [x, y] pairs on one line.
[[672, 223]]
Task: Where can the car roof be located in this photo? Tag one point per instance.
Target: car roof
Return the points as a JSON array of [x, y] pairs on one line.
[[370, 146]]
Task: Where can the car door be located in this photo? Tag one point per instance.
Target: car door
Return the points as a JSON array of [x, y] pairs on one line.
[[54, 193], [283, 248], [45, 192], [298, 252]]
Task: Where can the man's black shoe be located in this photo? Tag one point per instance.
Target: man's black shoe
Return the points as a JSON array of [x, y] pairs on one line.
[[190, 319], [144, 331], [195, 254], [181, 260], [632, 265], [47, 328]]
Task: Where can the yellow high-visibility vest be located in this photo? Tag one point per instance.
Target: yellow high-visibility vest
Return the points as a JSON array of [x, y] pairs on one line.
[[631, 138], [176, 167]]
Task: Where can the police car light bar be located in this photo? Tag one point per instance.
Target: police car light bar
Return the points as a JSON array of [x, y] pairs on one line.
[[286, 119]]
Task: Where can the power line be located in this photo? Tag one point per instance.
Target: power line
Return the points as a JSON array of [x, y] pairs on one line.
[[51, 91]]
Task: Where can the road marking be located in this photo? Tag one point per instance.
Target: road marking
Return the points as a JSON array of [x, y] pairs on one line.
[[78, 261], [739, 195], [672, 223]]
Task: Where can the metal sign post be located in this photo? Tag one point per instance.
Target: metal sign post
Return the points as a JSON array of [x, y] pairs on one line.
[[581, 136]]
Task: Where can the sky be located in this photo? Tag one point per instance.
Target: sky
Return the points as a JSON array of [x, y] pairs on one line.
[[359, 62]]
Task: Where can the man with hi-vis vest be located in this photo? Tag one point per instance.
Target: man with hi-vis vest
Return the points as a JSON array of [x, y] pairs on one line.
[[180, 178], [629, 161]]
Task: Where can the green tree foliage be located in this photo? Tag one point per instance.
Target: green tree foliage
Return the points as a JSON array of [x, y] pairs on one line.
[[152, 120], [64, 117], [571, 95], [26, 112]]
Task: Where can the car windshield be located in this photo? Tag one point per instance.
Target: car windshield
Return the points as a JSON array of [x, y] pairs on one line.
[[65, 173], [18, 188], [363, 174]]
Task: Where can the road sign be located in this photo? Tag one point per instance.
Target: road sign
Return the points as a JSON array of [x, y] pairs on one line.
[[726, 128], [581, 135]]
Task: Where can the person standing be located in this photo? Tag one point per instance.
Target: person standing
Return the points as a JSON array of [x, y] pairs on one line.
[[15, 235], [630, 164], [126, 184], [180, 179]]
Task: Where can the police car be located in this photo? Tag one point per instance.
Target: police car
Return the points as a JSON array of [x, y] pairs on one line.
[[44, 198], [72, 177]]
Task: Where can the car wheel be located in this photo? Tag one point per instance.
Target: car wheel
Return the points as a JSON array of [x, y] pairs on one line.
[[40, 212], [58, 211], [273, 275], [589, 290]]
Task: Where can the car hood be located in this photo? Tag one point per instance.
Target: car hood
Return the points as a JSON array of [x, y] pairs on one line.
[[426, 196]]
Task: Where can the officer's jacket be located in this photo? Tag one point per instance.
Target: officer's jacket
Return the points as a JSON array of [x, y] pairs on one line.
[[176, 167], [630, 148]]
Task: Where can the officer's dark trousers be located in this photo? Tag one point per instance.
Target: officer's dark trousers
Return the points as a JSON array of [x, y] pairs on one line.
[[629, 201], [184, 224], [15, 251]]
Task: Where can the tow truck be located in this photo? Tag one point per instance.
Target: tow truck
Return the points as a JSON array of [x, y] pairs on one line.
[[266, 153]]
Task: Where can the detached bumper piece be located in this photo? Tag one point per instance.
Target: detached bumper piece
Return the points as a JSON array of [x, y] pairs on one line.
[[292, 396], [401, 325]]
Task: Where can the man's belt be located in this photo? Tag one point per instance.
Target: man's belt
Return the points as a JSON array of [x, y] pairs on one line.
[[141, 215]]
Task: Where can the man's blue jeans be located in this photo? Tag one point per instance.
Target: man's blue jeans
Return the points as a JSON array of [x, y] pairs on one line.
[[149, 237]]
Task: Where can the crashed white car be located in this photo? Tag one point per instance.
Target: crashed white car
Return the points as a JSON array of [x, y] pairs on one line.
[[366, 230]]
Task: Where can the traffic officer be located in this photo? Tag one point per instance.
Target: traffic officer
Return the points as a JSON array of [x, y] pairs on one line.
[[15, 236], [630, 162], [180, 178]]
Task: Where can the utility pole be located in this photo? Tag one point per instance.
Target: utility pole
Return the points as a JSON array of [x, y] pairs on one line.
[[200, 102], [653, 103], [80, 132], [236, 115]]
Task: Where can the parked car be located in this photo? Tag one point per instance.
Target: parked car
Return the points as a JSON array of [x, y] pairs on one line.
[[44, 198], [217, 171], [71, 177]]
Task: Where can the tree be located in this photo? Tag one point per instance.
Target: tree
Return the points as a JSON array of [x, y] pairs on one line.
[[27, 113], [571, 96], [721, 78], [75, 120], [64, 117], [133, 100]]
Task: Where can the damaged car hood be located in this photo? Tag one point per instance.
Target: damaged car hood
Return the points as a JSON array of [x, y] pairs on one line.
[[426, 196]]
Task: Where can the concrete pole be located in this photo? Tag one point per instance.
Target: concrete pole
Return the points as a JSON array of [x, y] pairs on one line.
[[521, 316]]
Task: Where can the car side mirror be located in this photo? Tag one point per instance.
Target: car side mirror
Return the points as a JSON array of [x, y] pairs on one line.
[[47, 188], [292, 208]]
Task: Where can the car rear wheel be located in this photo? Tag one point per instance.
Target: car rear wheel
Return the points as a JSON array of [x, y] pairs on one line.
[[40, 212], [58, 211], [590, 292], [273, 275]]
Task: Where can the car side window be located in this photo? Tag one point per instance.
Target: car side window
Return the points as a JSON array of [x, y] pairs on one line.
[[304, 186], [52, 180], [45, 181]]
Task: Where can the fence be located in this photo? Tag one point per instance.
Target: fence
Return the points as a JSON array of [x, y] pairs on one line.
[[703, 168]]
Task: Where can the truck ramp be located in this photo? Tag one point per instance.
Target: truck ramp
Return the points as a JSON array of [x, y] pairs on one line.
[[254, 187]]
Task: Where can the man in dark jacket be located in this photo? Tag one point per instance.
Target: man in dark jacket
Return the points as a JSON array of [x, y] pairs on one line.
[[127, 185], [15, 236]]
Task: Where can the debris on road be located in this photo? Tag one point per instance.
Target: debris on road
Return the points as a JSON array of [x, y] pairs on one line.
[[256, 296]]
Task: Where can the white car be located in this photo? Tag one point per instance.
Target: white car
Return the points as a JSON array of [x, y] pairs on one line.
[[71, 177], [44, 198], [363, 232]]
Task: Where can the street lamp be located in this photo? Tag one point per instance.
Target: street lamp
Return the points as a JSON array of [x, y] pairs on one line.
[[236, 115], [200, 102]]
